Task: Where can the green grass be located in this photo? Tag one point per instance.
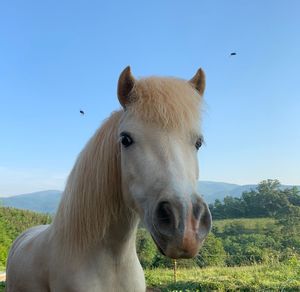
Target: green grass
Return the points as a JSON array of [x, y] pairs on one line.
[[280, 277]]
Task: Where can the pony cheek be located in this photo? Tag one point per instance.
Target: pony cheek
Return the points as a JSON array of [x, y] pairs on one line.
[[130, 197], [129, 200]]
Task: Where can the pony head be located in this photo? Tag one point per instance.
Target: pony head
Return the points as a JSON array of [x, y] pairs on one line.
[[159, 135]]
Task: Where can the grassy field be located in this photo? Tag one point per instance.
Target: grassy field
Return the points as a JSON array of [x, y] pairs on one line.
[[280, 277], [248, 223]]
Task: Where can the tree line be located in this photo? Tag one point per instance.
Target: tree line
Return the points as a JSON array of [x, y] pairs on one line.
[[268, 200]]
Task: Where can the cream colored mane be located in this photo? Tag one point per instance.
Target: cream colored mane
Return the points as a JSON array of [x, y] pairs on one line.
[[92, 199]]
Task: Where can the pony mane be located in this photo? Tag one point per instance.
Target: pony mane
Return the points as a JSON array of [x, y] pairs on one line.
[[170, 103], [93, 198]]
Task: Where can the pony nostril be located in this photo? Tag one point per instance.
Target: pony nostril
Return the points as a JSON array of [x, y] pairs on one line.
[[164, 213], [205, 222], [196, 210]]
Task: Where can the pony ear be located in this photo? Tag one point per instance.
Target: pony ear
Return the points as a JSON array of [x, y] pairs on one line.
[[125, 86], [198, 81]]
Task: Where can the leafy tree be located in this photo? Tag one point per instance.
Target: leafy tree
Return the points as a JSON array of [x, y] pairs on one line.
[[267, 200], [293, 195], [217, 209], [234, 207]]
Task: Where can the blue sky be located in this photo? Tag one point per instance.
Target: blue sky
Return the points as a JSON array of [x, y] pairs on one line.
[[57, 57]]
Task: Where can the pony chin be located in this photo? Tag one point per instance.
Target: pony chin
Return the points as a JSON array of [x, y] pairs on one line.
[[176, 248]]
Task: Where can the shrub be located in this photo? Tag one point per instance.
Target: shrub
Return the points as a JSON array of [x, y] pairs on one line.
[[212, 253], [146, 248]]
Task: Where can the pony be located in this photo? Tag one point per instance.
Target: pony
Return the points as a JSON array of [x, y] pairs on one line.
[[141, 164]]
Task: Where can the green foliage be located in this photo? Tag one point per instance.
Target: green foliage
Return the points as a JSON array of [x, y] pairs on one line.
[[250, 241], [146, 248], [236, 242], [12, 223], [5, 242], [161, 261], [2, 286], [246, 249], [212, 253], [267, 240], [268, 200]]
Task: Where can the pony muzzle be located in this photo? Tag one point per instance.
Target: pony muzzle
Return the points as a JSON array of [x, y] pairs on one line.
[[180, 229]]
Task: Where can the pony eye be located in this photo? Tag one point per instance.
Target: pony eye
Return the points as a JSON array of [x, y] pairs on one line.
[[199, 143], [126, 140]]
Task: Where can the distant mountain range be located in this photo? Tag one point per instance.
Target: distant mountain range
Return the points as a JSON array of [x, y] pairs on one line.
[[47, 201], [219, 190], [43, 202]]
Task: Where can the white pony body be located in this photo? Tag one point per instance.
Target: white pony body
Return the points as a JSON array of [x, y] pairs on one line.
[[141, 164]]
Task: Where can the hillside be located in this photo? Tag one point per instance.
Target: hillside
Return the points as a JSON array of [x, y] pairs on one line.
[[43, 202], [218, 190], [12, 223]]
